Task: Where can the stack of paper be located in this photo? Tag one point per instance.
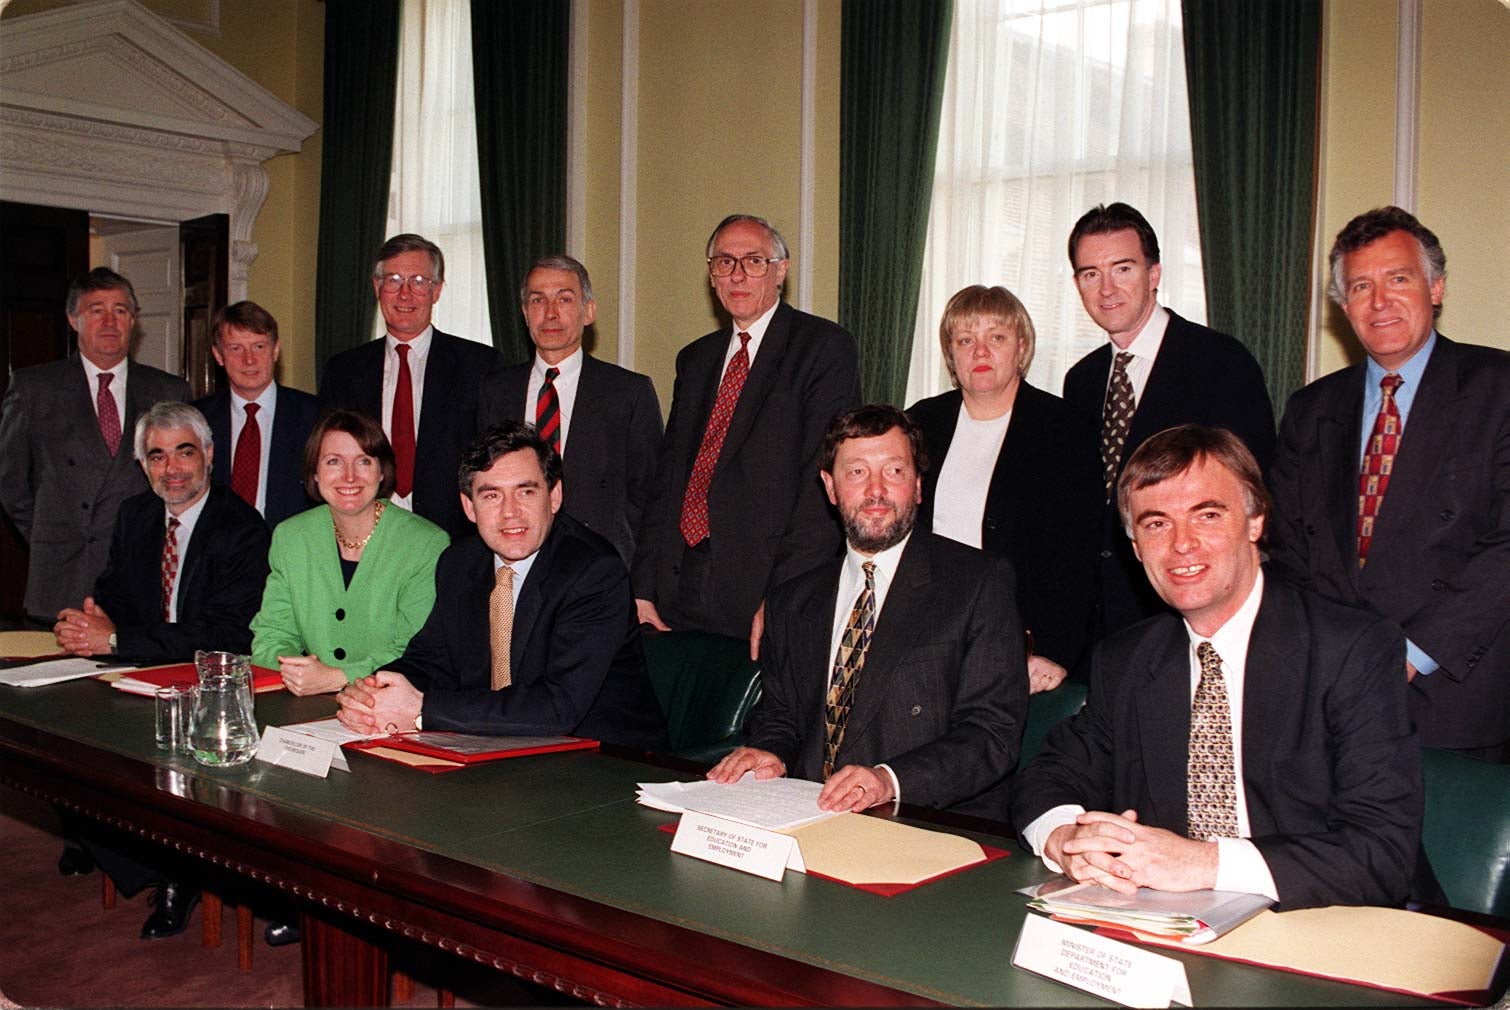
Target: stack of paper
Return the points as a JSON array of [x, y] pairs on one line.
[[773, 804], [1191, 917], [54, 671]]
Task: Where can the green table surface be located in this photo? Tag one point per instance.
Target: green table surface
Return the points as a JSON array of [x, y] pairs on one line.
[[570, 822]]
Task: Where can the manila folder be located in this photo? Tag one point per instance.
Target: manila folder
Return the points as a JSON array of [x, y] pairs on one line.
[[857, 849]]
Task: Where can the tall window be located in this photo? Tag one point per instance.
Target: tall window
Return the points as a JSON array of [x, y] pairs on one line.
[[435, 190], [1051, 107]]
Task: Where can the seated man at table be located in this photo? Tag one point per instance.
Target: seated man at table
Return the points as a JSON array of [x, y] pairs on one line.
[[533, 632], [898, 671], [1257, 742]]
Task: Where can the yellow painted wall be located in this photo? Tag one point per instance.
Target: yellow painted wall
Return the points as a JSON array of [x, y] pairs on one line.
[[1463, 184]]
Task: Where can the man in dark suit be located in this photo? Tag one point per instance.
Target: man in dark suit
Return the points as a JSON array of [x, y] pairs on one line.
[[1428, 421], [419, 383], [897, 672], [1257, 741], [260, 425], [737, 506], [1156, 370], [533, 631], [609, 415], [187, 564], [62, 474]]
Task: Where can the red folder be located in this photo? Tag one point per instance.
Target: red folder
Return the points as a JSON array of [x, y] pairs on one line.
[[431, 746], [186, 674]]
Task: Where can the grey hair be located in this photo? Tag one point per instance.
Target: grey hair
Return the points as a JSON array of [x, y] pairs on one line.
[[779, 249], [409, 242], [1372, 225], [559, 261], [171, 414], [98, 279]]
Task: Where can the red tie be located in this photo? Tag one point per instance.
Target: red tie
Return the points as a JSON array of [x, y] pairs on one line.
[[695, 503], [402, 435], [246, 465], [170, 565], [110, 416], [1378, 464], [547, 410]]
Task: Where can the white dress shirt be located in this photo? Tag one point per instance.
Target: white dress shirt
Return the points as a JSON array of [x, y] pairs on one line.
[[117, 389], [959, 499], [186, 522], [521, 571], [1144, 348], [419, 353], [566, 383], [267, 406], [757, 334]]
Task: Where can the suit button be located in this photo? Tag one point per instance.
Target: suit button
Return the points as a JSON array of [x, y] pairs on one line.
[[339, 653], [340, 613], [1105, 554], [990, 523], [83, 505], [917, 710], [1438, 585], [1448, 515], [1310, 530]]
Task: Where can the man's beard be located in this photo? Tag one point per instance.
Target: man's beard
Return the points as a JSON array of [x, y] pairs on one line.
[[871, 540]]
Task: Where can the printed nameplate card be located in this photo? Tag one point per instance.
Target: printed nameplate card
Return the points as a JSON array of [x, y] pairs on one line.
[[736, 845], [300, 753], [1100, 965]]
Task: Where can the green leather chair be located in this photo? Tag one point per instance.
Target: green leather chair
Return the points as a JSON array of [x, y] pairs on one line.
[[1467, 830], [1045, 709], [706, 685]]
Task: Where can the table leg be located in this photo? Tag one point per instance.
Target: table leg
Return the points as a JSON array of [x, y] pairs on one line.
[[341, 968]]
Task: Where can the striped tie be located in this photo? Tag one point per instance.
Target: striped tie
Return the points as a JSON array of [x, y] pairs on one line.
[[548, 410]]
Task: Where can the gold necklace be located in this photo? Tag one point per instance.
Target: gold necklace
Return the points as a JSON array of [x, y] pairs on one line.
[[356, 545]]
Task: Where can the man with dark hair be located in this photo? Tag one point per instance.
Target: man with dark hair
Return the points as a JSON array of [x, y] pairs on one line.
[[260, 424], [533, 632], [1259, 741], [737, 507], [63, 475], [605, 421], [1156, 370], [1426, 420], [917, 687], [422, 384]]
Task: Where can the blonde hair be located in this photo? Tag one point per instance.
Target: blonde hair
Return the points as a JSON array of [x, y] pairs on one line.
[[980, 302]]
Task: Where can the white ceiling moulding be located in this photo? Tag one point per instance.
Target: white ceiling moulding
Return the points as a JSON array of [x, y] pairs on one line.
[[106, 107]]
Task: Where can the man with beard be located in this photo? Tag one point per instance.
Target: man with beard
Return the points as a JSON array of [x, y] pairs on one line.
[[920, 689]]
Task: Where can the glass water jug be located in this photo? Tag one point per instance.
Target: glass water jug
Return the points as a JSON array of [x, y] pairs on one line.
[[223, 731]]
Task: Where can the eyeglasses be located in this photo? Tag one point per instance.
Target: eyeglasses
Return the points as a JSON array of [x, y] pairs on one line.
[[752, 265], [419, 283]]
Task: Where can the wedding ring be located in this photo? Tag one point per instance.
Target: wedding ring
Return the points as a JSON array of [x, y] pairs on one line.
[[391, 728]]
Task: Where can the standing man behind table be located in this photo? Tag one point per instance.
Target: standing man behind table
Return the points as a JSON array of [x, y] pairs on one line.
[[609, 415], [420, 383], [63, 475], [1156, 370], [1427, 420], [260, 425], [737, 506]]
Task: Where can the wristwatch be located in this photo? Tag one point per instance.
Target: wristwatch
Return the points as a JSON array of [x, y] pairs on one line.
[[112, 642]]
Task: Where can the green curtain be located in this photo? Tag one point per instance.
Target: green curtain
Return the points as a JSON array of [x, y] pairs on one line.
[[1253, 71], [519, 65], [361, 70], [892, 62]]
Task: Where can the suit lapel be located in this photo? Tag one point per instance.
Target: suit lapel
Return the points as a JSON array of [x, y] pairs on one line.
[[440, 380], [532, 598], [902, 619], [812, 647], [1163, 707], [192, 561], [219, 416], [1339, 434], [585, 432], [367, 389], [78, 406], [1267, 697]]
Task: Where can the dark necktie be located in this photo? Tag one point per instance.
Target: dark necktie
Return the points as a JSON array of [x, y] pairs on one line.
[[246, 465], [848, 661], [402, 435], [109, 414], [170, 565], [1116, 417], [694, 522], [501, 625], [1378, 463], [548, 410], [1211, 781]]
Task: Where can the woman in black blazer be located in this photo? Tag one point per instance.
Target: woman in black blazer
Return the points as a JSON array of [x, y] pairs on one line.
[[1009, 473]]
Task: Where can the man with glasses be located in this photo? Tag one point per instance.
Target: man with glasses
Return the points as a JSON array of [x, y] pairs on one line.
[[738, 507], [422, 384]]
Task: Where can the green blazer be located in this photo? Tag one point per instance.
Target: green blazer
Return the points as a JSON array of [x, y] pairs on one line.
[[306, 607]]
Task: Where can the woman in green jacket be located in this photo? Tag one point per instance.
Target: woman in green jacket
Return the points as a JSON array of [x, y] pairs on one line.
[[352, 580]]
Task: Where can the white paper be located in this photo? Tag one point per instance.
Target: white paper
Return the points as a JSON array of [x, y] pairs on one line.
[[776, 804], [131, 685], [736, 845], [299, 752], [1100, 965], [56, 671], [333, 731]]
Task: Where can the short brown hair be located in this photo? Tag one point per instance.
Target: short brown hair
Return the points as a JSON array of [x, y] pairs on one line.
[[1370, 227], [410, 242], [980, 302], [1174, 450], [244, 316], [871, 421], [369, 438]]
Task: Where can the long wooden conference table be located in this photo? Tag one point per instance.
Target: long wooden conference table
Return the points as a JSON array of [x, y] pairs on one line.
[[545, 868]]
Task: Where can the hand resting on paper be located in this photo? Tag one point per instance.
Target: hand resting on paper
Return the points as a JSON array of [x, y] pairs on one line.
[[763, 763], [383, 703], [1116, 851], [854, 788]]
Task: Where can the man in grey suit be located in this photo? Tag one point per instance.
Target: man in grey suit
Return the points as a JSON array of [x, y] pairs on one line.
[[64, 466], [917, 687], [611, 415]]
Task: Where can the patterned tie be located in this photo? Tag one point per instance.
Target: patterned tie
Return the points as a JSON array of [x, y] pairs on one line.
[[548, 412], [1211, 781], [1378, 463], [402, 435], [246, 465], [501, 624], [170, 565], [694, 522], [110, 416], [1116, 417], [848, 661]]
